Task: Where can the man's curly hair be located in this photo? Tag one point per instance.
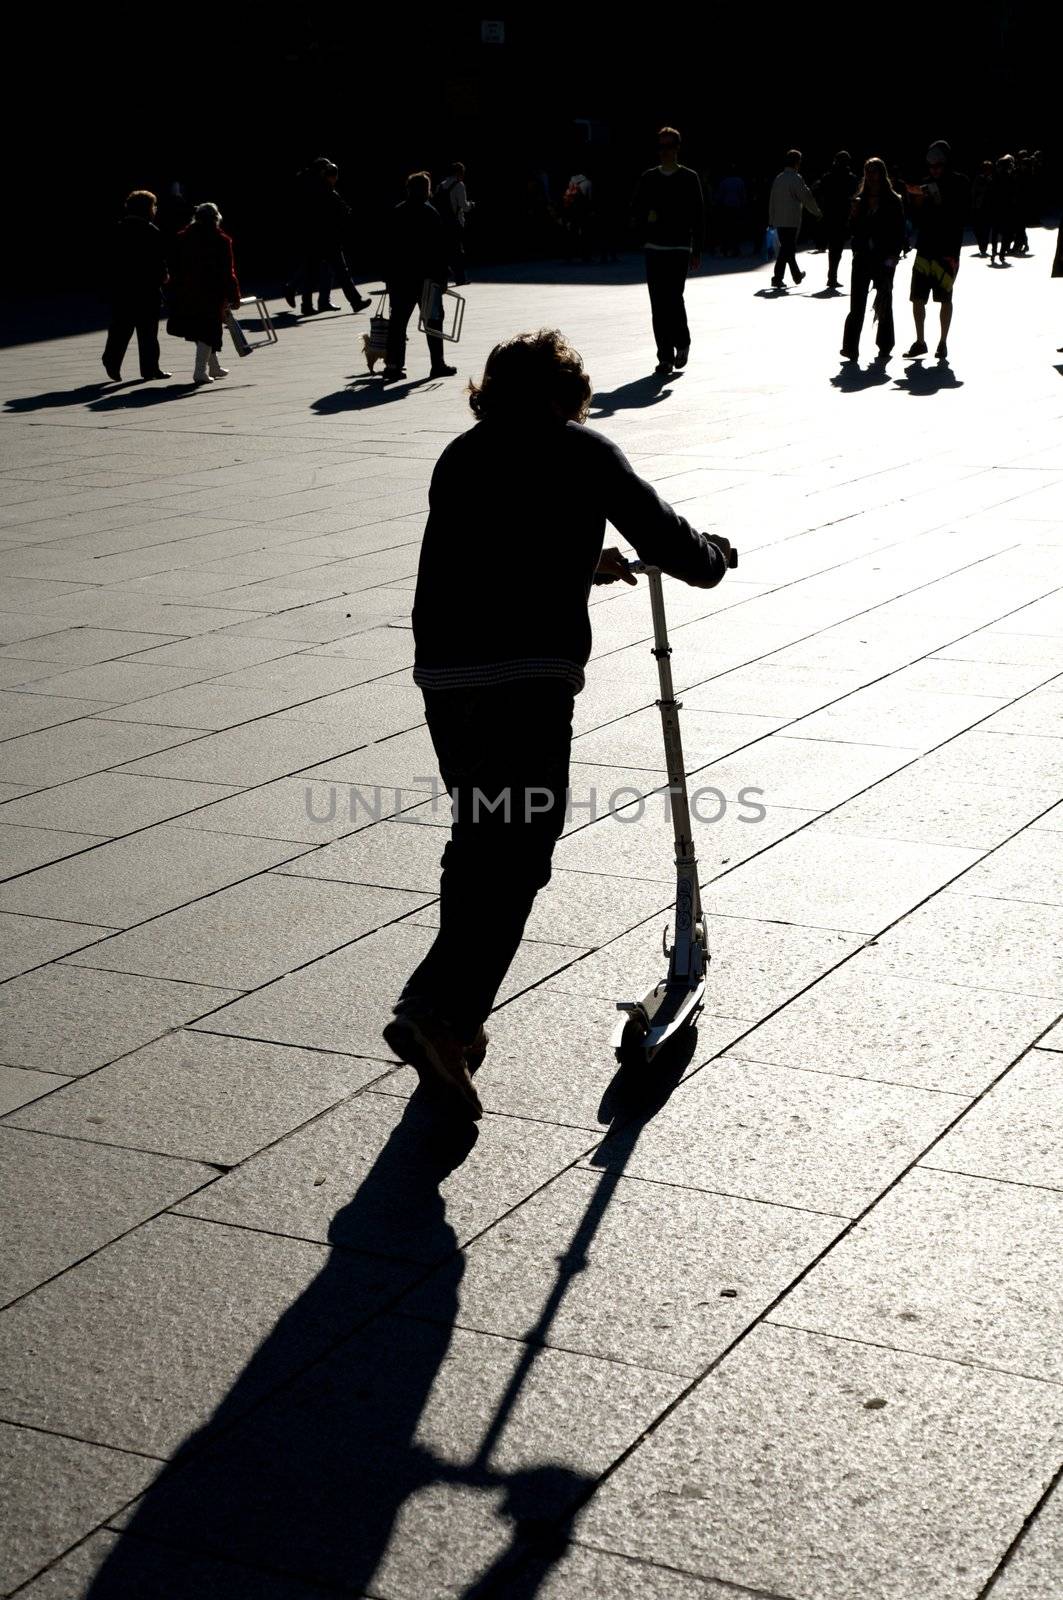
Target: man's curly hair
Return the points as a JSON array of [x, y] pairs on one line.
[[531, 377]]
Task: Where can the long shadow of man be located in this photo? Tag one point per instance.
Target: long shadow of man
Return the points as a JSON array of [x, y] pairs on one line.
[[306, 1477]]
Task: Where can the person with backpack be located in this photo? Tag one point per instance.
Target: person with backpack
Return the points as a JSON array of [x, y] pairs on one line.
[[453, 204]]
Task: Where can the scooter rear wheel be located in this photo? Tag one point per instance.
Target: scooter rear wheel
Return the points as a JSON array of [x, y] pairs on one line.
[[631, 1051]]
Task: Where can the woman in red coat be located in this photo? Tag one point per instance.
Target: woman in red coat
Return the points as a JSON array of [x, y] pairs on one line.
[[204, 287]]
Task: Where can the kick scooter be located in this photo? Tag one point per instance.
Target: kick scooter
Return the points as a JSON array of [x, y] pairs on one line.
[[675, 1001]]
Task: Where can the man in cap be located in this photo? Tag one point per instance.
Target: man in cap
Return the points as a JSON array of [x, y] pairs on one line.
[[941, 205]]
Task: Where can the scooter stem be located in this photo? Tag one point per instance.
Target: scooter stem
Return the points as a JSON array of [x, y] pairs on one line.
[[688, 896]]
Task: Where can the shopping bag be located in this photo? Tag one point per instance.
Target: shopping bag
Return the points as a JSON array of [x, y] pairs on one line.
[[771, 244], [375, 342]]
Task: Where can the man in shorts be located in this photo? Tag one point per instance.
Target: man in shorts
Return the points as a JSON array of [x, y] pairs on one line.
[[941, 205]]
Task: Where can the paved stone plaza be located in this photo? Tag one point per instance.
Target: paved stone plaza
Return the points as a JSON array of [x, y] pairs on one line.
[[787, 1323]]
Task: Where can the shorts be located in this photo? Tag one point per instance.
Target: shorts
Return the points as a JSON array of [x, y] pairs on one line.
[[933, 275]]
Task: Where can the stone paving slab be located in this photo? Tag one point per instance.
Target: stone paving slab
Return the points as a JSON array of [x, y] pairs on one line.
[[946, 1265], [27, 942], [1029, 867], [916, 806], [784, 1468], [187, 1299], [53, 1491], [1015, 1133], [824, 879], [64, 1199], [109, 804], [784, 1136], [978, 942], [126, 880], [197, 1095], [251, 933], [72, 1020], [38, 760], [651, 1274], [23, 849], [862, 1022]]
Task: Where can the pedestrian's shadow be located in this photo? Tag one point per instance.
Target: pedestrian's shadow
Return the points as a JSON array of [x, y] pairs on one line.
[[139, 398], [640, 392], [827, 294], [773, 292], [331, 1450], [367, 390], [852, 377], [61, 397], [928, 380]]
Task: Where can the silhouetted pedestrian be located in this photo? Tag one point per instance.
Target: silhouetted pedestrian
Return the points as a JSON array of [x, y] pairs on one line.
[[324, 221], [137, 272], [416, 250], [835, 191], [790, 198], [499, 675], [981, 209], [204, 288], [876, 221], [732, 198], [669, 212], [941, 206], [1002, 224], [453, 204]]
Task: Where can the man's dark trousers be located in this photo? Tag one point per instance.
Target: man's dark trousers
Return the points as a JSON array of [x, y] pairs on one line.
[[509, 741], [863, 276], [835, 246], [127, 315], [666, 276], [404, 295], [787, 256]]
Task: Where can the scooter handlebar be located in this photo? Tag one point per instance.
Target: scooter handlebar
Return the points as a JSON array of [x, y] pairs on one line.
[[646, 566]]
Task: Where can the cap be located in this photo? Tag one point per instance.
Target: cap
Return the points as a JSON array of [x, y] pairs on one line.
[[939, 151]]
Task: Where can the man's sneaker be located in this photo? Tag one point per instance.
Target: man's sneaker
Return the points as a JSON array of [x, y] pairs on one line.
[[443, 371], [289, 295], [682, 355], [437, 1057], [328, 305], [662, 369], [391, 374], [918, 349], [361, 303], [942, 351]]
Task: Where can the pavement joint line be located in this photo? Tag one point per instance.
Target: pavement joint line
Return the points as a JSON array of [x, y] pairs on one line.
[[77, 1438], [693, 1188], [924, 1355], [1029, 1522], [994, 1178], [850, 1077], [536, 1344], [740, 1589]]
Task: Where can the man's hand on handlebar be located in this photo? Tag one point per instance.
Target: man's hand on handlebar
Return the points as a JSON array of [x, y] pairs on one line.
[[730, 555], [613, 565]]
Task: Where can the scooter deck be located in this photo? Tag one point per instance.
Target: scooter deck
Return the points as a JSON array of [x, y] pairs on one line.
[[660, 1014]]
